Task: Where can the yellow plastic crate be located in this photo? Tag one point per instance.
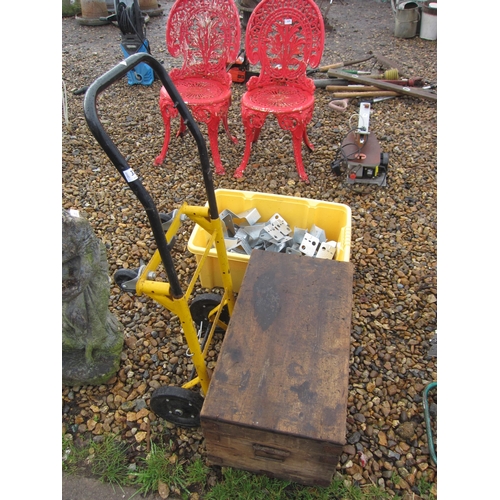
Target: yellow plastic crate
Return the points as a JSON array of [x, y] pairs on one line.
[[333, 218]]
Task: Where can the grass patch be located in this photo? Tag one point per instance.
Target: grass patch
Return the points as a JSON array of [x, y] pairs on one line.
[[160, 469], [108, 461], [427, 489], [197, 473], [71, 455], [241, 485]]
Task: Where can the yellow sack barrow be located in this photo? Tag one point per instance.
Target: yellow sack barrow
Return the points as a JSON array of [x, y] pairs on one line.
[[179, 405]]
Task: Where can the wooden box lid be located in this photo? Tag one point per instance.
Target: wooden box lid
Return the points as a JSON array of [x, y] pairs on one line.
[[284, 362]]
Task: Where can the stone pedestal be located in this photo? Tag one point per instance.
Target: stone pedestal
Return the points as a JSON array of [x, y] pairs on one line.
[[94, 13]]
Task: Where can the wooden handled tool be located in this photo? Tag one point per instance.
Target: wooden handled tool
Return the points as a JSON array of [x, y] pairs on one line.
[[411, 91], [351, 88], [322, 83], [324, 69], [380, 93]]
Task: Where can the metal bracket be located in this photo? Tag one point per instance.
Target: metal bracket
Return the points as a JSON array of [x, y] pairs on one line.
[[130, 286], [327, 250], [278, 228], [246, 218], [318, 232], [239, 244], [309, 245]]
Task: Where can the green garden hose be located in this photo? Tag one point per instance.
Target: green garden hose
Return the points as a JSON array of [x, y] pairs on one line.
[[430, 441]]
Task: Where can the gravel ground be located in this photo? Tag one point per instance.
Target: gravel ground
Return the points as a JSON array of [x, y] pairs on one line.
[[393, 240]]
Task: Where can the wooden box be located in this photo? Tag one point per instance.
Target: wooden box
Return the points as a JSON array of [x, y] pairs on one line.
[[277, 401]]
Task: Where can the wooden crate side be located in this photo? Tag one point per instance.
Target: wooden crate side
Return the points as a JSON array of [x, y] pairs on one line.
[[291, 458]]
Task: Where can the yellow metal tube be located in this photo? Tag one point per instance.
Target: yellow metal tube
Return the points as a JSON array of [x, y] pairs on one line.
[[160, 291], [223, 259], [193, 343]]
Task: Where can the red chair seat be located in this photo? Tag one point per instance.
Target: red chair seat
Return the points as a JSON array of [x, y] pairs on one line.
[[277, 99], [197, 91]]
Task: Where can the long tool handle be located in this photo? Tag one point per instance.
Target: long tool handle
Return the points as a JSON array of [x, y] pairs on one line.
[[411, 91], [351, 88], [381, 93], [323, 83], [324, 69]]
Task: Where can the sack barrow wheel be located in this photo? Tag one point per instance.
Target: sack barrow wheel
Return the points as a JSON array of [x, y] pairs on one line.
[[177, 405]]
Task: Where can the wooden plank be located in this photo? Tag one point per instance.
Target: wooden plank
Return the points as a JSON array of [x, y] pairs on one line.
[[284, 362], [409, 91]]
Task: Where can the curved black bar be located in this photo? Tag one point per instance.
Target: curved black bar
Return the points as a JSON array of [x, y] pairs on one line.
[[95, 126]]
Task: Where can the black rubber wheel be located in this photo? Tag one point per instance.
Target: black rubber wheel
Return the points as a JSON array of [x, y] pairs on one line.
[[203, 304], [384, 159], [180, 406], [166, 217], [123, 275]]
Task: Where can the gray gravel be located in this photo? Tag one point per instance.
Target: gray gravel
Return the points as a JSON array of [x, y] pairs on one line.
[[393, 241]]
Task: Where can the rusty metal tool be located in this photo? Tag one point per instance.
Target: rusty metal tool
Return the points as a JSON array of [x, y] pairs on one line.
[[409, 82]]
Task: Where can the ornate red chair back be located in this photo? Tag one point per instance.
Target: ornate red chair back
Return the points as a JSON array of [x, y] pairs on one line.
[[285, 37], [206, 34]]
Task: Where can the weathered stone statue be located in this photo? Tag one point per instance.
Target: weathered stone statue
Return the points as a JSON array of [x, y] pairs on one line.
[[92, 338]]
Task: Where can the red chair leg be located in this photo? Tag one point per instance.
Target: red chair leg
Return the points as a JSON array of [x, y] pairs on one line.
[[182, 128], [297, 137], [249, 135], [256, 135], [213, 135], [307, 142], [166, 120], [226, 128], [253, 123]]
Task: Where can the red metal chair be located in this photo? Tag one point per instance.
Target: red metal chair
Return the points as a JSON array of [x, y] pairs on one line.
[[285, 37], [206, 34]]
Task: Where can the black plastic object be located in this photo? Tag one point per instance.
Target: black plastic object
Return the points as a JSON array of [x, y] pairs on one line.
[[133, 181], [336, 167], [123, 275], [129, 18], [203, 304], [384, 160], [177, 405]]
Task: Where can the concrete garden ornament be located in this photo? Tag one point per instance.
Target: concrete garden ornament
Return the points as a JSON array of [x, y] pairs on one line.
[[92, 338]]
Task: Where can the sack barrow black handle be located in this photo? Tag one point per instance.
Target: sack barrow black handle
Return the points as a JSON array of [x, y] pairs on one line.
[[95, 126]]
